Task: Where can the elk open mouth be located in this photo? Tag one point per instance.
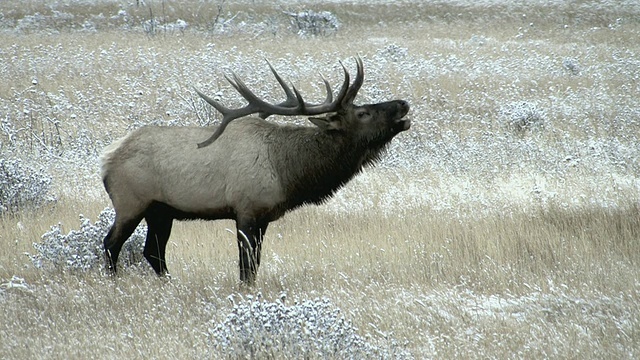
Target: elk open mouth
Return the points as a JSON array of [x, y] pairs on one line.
[[402, 124]]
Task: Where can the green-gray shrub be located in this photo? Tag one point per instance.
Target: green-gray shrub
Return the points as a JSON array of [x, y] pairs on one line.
[[82, 249], [23, 187]]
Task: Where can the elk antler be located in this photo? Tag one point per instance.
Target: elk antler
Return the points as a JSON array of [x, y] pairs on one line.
[[293, 105]]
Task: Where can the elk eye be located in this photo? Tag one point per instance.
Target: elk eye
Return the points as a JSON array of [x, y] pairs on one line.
[[361, 114]]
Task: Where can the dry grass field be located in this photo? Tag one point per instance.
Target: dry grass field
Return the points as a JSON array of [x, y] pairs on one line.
[[504, 224]]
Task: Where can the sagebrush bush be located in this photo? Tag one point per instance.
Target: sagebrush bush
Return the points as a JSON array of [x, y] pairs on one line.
[[393, 52], [522, 116], [256, 328], [571, 65], [22, 186], [309, 22], [82, 249]]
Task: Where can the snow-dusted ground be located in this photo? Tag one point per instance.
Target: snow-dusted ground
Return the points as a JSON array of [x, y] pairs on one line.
[[582, 147], [514, 120]]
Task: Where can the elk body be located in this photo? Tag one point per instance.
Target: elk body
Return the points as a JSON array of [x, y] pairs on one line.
[[249, 170]]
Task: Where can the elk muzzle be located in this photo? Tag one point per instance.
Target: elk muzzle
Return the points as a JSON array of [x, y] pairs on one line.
[[397, 113]]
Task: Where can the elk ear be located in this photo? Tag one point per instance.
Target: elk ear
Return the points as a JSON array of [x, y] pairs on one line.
[[330, 121]]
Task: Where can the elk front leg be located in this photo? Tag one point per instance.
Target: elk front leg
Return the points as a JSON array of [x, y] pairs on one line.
[[250, 234], [262, 229]]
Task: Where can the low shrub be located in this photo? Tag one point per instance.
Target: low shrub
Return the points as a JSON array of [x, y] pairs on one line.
[[259, 329], [23, 187], [522, 116], [82, 249], [312, 23]]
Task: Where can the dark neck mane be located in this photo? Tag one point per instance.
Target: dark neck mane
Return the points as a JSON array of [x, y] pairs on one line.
[[316, 164]]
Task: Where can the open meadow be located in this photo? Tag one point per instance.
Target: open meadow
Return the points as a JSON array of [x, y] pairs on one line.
[[504, 224]]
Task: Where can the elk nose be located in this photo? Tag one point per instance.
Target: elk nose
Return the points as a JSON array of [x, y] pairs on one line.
[[403, 107]]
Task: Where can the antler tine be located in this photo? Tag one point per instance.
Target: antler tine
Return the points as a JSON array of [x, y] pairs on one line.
[[246, 93], [345, 85], [291, 97], [301, 105], [221, 108], [216, 133], [231, 81], [357, 83], [283, 84], [327, 86]]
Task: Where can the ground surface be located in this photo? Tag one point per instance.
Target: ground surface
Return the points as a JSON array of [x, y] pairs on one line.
[[504, 224]]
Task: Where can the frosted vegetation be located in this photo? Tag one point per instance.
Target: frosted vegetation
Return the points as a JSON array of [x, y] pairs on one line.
[[313, 328], [506, 116], [521, 114], [82, 249], [22, 187]]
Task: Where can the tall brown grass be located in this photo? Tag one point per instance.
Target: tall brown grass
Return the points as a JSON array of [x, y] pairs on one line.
[[548, 283]]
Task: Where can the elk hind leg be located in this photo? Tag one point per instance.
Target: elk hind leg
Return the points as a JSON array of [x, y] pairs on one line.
[[117, 235]]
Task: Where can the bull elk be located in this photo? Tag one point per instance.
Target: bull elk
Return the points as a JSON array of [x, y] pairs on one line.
[[251, 170]]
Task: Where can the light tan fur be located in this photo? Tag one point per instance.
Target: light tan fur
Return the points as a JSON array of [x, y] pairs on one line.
[[163, 164]]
